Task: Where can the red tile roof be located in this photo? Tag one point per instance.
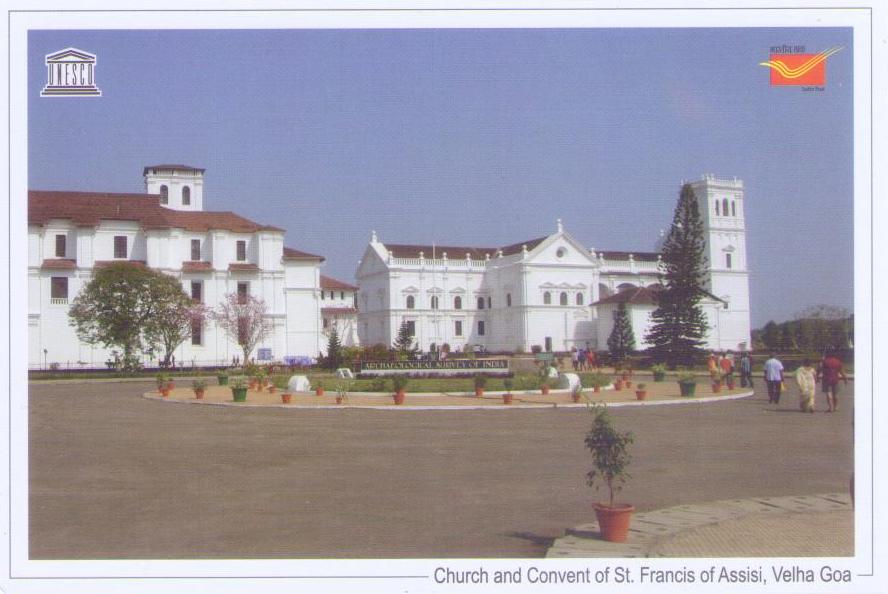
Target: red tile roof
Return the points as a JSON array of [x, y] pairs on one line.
[[638, 295], [59, 264], [243, 267], [338, 310], [88, 209], [291, 254], [399, 250], [328, 282], [177, 167], [197, 266]]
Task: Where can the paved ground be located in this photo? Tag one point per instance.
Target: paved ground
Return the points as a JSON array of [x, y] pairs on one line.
[[114, 475], [794, 526]]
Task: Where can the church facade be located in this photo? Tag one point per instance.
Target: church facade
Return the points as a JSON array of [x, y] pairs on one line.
[[550, 292], [213, 254]]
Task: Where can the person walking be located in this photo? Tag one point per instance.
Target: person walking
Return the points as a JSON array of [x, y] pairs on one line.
[[575, 358], [831, 370], [774, 378], [712, 364], [745, 370], [726, 367], [590, 359], [806, 378]]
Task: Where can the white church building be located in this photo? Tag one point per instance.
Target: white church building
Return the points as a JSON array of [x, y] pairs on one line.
[[71, 234], [552, 291]]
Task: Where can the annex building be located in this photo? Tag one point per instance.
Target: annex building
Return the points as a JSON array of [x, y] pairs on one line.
[[549, 291], [71, 234]]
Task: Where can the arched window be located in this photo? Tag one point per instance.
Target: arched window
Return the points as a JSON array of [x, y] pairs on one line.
[[717, 210], [434, 302], [457, 302], [725, 207], [480, 302], [411, 302], [547, 298], [562, 299], [164, 194], [579, 299], [508, 300], [186, 196], [733, 208]]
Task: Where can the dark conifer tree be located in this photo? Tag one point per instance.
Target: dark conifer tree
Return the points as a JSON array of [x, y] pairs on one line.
[[678, 324], [621, 341]]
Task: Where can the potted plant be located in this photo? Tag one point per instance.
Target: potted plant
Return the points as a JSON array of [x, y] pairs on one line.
[[222, 377], [618, 385], [238, 388], [261, 379], [163, 384], [480, 381], [281, 384], [399, 382], [716, 380], [576, 393], [544, 378], [659, 371], [341, 392], [507, 395], [641, 392], [319, 388], [610, 458], [687, 382], [597, 381], [199, 386]]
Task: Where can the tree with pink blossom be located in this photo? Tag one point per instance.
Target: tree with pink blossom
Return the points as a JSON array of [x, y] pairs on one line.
[[243, 318]]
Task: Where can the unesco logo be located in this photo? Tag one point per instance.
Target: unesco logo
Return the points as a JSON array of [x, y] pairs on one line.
[[71, 73]]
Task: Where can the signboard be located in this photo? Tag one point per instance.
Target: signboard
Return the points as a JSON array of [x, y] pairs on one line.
[[545, 356], [263, 354], [447, 367]]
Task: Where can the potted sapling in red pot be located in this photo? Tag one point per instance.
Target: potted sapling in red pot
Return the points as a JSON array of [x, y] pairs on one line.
[[610, 458]]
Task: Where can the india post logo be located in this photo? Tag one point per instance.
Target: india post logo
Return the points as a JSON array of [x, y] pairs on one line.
[[789, 68]]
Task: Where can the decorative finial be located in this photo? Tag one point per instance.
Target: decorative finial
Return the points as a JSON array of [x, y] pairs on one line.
[[421, 256], [524, 250], [444, 256], [487, 256], [560, 226], [373, 237], [632, 257]]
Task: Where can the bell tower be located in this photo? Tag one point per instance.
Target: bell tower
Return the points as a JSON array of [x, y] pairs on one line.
[[722, 208], [180, 186]]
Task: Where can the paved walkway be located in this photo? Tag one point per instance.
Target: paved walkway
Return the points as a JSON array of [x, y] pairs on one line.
[[800, 526]]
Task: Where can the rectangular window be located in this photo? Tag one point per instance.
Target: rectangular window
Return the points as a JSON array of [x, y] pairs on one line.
[[411, 328], [58, 291], [196, 332], [342, 295], [195, 250], [323, 295], [326, 323], [197, 291], [243, 289], [332, 295], [457, 328], [241, 250], [481, 328], [727, 260], [120, 246], [61, 250]]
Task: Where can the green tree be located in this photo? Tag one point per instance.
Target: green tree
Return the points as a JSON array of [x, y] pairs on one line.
[[621, 341], [116, 309], [334, 349], [678, 325], [404, 342], [175, 316], [771, 336]]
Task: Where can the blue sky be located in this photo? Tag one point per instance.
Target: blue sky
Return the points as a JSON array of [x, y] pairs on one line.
[[472, 136]]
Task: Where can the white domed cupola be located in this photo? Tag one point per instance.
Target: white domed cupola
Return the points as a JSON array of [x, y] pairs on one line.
[[180, 186]]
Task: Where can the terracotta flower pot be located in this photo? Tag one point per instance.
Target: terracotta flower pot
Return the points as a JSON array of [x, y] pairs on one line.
[[338, 399], [171, 385], [319, 391], [628, 383], [716, 387], [399, 397], [641, 394], [507, 399], [545, 390], [199, 393], [479, 392], [618, 385], [596, 389], [730, 385], [164, 392], [614, 521], [271, 389], [286, 398]]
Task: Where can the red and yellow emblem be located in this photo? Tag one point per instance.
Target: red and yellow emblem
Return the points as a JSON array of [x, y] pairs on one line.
[[799, 69]]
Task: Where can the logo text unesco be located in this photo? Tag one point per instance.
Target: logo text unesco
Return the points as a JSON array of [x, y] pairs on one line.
[[71, 73]]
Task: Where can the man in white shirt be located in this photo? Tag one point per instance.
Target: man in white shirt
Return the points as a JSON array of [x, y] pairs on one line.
[[774, 378]]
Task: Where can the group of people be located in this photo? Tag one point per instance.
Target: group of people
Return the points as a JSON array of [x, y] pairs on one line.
[[583, 358], [828, 372], [725, 366]]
